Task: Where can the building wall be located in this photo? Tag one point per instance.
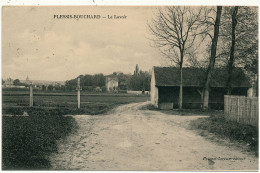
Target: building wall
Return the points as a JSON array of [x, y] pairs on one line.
[[154, 90], [111, 83]]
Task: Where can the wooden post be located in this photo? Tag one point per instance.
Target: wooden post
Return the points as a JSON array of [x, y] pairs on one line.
[[238, 105], [225, 104], [78, 99], [31, 95], [78, 88]]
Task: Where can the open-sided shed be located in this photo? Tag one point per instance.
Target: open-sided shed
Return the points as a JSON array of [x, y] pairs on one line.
[[165, 85]]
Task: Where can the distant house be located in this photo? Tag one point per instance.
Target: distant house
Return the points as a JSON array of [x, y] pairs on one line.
[[112, 83], [9, 83], [165, 84]]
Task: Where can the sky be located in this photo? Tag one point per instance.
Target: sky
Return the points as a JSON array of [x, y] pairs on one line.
[[44, 48]]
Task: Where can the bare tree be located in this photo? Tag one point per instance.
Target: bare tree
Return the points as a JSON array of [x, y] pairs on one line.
[[175, 30], [212, 58], [239, 42], [232, 49]]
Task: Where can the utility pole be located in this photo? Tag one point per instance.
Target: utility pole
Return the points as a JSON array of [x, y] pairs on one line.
[[31, 95], [78, 89]]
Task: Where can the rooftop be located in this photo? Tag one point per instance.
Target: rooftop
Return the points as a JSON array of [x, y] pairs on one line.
[[169, 76]]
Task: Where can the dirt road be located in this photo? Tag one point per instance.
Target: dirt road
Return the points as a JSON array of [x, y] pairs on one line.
[[133, 139]]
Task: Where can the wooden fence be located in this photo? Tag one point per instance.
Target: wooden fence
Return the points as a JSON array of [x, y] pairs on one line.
[[241, 109]]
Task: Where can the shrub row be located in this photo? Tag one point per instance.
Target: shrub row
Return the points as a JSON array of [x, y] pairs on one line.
[[28, 140], [47, 109]]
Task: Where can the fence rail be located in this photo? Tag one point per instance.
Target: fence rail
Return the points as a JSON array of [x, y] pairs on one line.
[[241, 109]]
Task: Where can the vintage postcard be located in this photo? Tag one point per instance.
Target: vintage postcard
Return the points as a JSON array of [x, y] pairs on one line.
[[130, 88]]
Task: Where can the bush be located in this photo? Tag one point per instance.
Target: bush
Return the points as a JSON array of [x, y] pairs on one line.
[[28, 140]]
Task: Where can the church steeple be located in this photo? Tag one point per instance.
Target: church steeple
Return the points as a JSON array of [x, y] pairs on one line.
[[136, 72], [27, 79]]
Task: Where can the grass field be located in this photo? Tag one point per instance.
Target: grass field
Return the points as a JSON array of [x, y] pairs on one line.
[[91, 103], [27, 141], [224, 129]]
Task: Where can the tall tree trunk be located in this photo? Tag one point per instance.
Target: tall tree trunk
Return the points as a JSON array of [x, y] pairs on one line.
[[181, 87], [212, 59], [232, 50], [181, 84]]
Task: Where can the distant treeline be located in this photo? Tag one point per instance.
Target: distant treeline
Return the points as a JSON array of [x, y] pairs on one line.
[[140, 81], [97, 82], [87, 82], [136, 82]]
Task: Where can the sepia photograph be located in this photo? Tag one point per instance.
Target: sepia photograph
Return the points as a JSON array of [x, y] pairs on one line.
[[130, 88]]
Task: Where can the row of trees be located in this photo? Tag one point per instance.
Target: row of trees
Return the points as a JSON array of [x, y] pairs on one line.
[[50, 87], [17, 82], [88, 82], [179, 33], [139, 81], [136, 82]]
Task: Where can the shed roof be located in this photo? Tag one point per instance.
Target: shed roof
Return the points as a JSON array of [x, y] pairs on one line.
[[169, 76]]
